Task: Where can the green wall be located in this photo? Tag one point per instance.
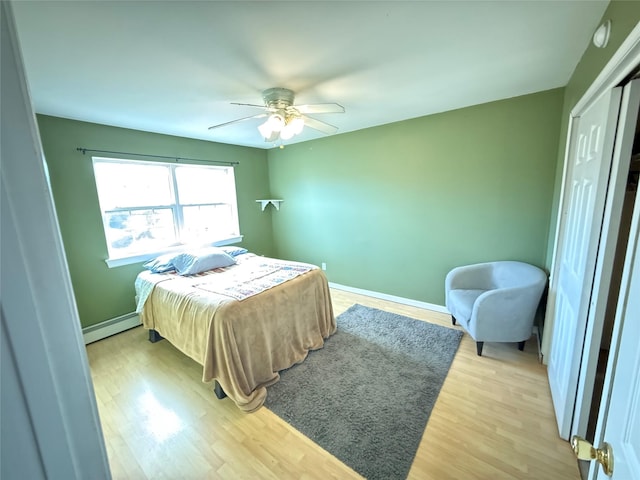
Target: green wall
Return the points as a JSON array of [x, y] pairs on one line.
[[103, 293], [393, 208], [389, 209], [624, 16]]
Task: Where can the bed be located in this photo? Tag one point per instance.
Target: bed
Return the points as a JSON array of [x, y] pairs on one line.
[[243, 322]]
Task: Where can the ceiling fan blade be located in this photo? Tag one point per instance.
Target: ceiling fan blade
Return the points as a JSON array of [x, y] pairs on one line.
[[260, 115], [318, 125], [321, 108], [248, 105]]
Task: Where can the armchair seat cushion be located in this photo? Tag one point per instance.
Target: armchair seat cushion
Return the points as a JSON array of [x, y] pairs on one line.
[[462, 303]]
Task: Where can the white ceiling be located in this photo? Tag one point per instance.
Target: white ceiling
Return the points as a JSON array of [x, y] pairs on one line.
[[174, 66]]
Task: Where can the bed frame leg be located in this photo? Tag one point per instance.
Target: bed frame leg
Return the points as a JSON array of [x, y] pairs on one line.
[[154, 336], [217, 389]]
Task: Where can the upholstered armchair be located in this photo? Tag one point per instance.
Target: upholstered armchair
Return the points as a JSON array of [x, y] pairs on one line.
[[495, 301]]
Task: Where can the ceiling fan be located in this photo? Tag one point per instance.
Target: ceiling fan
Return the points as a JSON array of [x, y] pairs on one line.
[[284, 119]]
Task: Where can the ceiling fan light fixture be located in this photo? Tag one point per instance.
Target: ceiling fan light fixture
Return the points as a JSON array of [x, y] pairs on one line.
[[281, 126], [287, 132], [296, 124], [265, 129], [276, 122]]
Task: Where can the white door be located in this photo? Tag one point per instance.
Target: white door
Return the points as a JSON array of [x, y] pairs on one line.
[[50, 422], [583, 207], [619, 418]]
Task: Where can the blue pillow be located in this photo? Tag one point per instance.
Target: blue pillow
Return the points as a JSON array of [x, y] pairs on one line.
[[190, 263], [161, 264], [234, 251]]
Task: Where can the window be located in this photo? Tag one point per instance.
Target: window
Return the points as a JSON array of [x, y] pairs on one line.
[[149, 207]]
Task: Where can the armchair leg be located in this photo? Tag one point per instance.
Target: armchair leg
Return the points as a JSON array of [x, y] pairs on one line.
[[453, 319], [479, 346], [521, 345]]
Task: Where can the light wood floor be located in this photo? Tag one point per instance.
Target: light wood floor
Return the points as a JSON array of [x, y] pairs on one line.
[[493, 418]]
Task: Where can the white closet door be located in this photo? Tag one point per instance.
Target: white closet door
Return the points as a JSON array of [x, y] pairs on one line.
[[619, 419], [583, 207]]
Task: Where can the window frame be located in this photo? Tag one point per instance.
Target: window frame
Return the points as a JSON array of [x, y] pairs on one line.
[[175, 207]]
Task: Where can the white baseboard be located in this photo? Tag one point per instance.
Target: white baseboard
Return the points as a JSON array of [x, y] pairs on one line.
[[391, 298], [110, 327]]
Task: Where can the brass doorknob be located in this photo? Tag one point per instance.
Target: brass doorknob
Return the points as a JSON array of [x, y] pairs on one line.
[[585, 451]]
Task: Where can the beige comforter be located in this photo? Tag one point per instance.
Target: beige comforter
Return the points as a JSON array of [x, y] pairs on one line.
[[242, 344]]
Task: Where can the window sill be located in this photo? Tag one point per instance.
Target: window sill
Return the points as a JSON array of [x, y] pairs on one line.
[[143, 257]]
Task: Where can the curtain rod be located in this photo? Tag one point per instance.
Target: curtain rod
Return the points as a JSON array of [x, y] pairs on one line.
[[177, 159]]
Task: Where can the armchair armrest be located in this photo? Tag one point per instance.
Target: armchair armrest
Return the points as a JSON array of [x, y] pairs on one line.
[[505, 314]]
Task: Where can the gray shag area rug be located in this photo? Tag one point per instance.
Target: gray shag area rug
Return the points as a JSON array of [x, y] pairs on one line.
[[367, 395]]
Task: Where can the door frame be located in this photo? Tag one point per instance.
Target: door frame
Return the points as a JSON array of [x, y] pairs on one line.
[[51, 426], [621, 64]]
